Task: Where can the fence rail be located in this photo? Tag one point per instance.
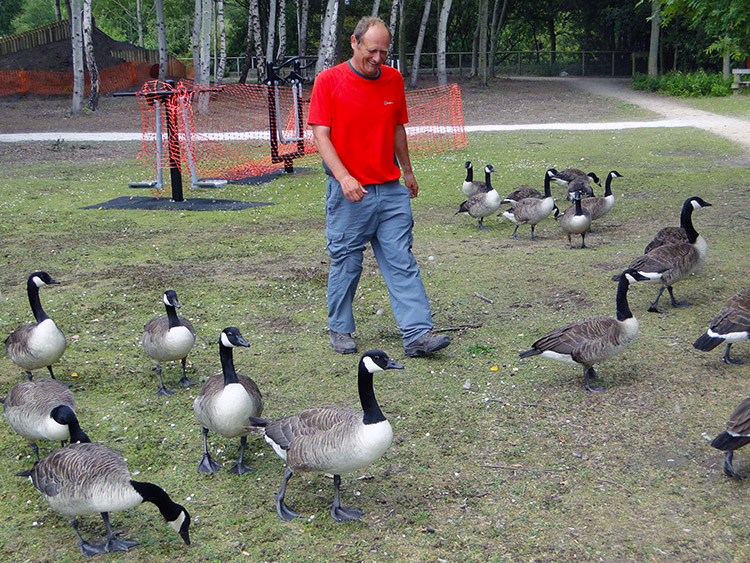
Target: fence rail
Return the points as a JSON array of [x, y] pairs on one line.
[[49, 33]]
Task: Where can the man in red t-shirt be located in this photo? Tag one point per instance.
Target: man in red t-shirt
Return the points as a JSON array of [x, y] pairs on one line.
[[357, 114]]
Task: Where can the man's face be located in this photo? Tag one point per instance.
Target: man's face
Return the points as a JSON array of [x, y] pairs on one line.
[[372, 51]]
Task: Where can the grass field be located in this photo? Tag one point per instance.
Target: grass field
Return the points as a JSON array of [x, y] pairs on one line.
[[493, 459]]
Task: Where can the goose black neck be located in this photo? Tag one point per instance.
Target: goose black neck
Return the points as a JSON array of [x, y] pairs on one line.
[[487, 181], [686, 221], [470, 174], [608, 186], [169, 509], [623, 309], [36, 305], [547, 185], [227, 365], [370, 406], [579, 209], [63, 414], [174, 320]]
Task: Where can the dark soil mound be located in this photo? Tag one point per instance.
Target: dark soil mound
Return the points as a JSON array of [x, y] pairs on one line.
[[58, 56]]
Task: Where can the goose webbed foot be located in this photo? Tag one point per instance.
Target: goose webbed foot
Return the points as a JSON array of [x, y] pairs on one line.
[[675, 303], [480, 226], [87, 549], [338, 512], [284, 512], [589, 377], [164, 392], [731, 361], [115, 544], [208, 465], [728, 468], [239, 468], [185, 382]]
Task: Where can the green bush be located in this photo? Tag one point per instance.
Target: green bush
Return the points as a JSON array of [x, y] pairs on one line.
[[684, 84]]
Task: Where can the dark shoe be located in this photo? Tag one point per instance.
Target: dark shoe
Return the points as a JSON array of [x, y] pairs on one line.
[[343, 343], [428, 343]]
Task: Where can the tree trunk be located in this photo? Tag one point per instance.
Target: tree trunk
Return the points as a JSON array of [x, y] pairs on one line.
[[246, 64], [139, 21], [205, 41], [88, 42], [303, 13], [271, 30], [497, 25], [161, 30], [653, 51], [420, 41], [221, 32], [197, 14], [76, 38], [552, 40], [326, 42], [726, 62], [445, 11], [258, 40], [392, 27], [483, 23], [58, 13], [402, 38], [281, 53], [475, 49], [375, 8]]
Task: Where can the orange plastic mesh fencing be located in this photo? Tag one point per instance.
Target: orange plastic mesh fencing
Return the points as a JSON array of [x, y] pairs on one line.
[[224, 132], [112, 79]]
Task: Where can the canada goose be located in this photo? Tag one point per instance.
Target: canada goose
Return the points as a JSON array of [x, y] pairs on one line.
[[671, 263], [672, 235], [482, 204], [333, 439], [522, 192], [576, 219], [730, 325], [734, 437], [87, 478], [594, 340], [43, 410], [169, 338], [531, 211], [564, 177], [598, 207], [470, 186], [225, 403], [40, 344], [582, 184]]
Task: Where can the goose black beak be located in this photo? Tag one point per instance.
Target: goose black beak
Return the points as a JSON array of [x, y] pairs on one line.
[[393, 365]]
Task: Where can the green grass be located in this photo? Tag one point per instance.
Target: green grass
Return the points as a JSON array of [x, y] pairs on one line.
[[523, 465], [733, 106]]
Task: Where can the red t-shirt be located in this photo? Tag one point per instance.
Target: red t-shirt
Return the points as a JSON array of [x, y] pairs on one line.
[[363, 114]]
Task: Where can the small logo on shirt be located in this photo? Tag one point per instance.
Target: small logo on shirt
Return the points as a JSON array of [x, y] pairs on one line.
[[387, 103]]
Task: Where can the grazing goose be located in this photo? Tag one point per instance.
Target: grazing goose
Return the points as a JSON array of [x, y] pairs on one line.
[[87, 478], [734, 437], [470, 186], [564, 177], [225, 403], [531, 211], [333, 440], [522, 192], [594, 340], [672, 235], [730, 325], [43, 410], [576, 220], [40, 344], [582, 184], [482, 203], [598, 207], [671, 263], [169, 338]]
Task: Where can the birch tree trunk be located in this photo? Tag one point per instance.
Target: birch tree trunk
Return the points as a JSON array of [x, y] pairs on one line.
[[653, 51], [205, 41], [161, 31], [88, 43], [221, 59], [76, 38], [375, 8], [420, 42], [475, 48], [402, 38], [327, 35], [392, 27], [271, 30], [442, 72], [197, 15], [281, 53]]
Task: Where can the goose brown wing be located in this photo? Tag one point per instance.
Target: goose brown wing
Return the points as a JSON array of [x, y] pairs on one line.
[[668, 235], [310, 423], [731, 320], [578, 339], [662, 258], [40, 392], [739, 421], [16, 342]]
